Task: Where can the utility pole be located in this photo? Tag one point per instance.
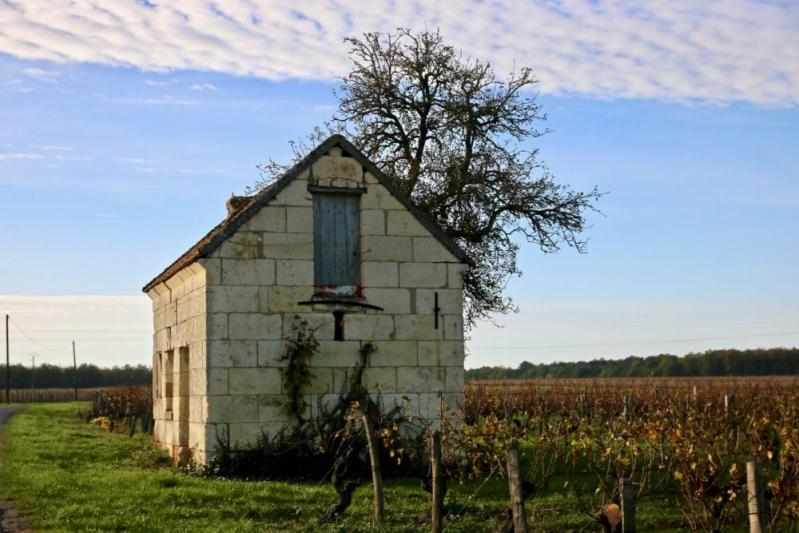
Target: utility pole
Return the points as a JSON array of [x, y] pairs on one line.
[[8, 367], [74, 371]]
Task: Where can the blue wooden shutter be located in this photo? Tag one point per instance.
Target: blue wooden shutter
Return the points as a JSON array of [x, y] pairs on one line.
[[337, 243]]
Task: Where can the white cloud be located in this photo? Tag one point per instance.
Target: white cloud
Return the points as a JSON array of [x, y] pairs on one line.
[[40, 74], [730, 50], [159, 83], [48, 155], [204, 87]]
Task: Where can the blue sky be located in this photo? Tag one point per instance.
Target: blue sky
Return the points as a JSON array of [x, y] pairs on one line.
[[116, 156]]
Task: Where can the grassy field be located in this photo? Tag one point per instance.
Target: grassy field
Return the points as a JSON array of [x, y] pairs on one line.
[[68, 475]]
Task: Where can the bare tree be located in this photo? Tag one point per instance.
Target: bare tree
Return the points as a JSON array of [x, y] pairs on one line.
[[452, 135]]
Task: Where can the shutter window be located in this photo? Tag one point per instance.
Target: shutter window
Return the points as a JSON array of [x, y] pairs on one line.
[[337, 244]]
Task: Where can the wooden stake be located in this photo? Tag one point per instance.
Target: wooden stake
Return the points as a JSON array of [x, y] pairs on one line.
[[627, 506], [377, 478], [755, 498], [437, 518], [515, 486]]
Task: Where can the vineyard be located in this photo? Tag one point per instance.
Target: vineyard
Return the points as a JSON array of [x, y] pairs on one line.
[[700, 454], [606, 439]]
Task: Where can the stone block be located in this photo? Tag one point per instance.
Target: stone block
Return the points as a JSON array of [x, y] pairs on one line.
[[417, 327], [455, 379], [213, 270], [450, 301], [393, 301], [404, 223], [337, 167], [217, 326], [270, 353], [272, 408], [226, 354], [427, 275], [244, 435], [234, 408], [441, 353], [421, 379], [270, 218], [248, 272], [232, 299], [379, 274], [256, 326], [299, 219], [408, 402], [241, 245], [257, 380], [196, 434], [453, 327], [294, 194], [321, 323], [432, 406], [430, 250], [171, 314], [394, 353], [198, 381], [215, 433], [385, 248], [295, 272], [368, 327], [378, 197], [380, 379], [288, 245], [321, 381], [337, 354], [373, 222], [217, 382], [341, 380], [455, 276], [284, 299]]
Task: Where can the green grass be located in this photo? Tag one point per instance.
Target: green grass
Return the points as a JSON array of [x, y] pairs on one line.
[[67, 475]]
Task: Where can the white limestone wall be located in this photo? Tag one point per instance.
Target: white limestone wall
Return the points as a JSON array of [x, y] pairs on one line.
[[256, 279], [180, 330]]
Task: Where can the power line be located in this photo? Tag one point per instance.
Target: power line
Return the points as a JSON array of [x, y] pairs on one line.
[[634, 343], [31, 339]]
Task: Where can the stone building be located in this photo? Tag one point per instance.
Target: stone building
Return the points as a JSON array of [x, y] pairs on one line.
[[333, 242]]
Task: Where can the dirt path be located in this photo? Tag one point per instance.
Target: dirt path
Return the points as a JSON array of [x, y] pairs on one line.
[[10, 518]]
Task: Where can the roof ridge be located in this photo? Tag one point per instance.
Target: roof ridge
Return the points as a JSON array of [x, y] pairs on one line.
[[243, 212]]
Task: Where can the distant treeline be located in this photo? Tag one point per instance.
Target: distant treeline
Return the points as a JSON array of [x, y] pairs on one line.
[[760, 362], [52, 376]]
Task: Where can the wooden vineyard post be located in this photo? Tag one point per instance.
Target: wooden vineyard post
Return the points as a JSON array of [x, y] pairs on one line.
[[515, 486], [627, 506], [755, 499], [626, 409], [437, 517], [377, 478], [729, 404]]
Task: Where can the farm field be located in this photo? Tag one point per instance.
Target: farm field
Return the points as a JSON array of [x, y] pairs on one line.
[[684, 452]]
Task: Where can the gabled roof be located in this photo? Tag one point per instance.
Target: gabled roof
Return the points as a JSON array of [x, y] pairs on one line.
[[247, 208]]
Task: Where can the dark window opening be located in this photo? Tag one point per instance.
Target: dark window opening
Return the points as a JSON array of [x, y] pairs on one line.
[[338, 325]]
